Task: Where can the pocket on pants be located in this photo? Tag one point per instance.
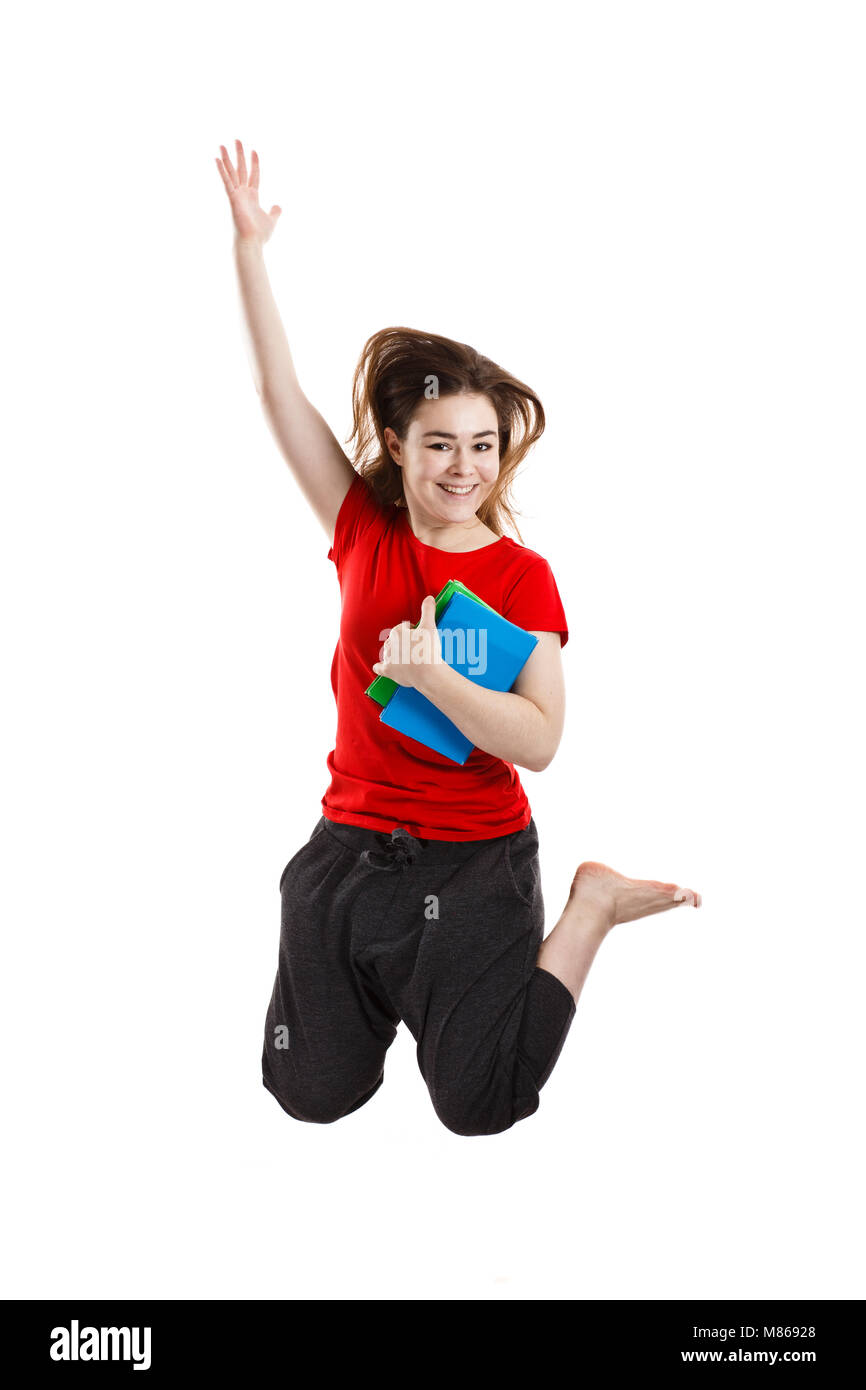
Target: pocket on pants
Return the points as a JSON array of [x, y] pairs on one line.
[[522, 865], [316, 830]]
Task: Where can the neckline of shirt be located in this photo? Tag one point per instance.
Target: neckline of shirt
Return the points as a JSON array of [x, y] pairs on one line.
[[404, 513]]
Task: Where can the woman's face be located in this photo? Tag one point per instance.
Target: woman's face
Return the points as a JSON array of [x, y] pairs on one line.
[[450, 458]]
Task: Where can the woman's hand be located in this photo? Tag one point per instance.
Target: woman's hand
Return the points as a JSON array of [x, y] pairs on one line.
[[252, 223], [409, 652]]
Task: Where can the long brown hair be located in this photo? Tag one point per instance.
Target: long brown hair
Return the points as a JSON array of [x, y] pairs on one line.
[[390, 383]]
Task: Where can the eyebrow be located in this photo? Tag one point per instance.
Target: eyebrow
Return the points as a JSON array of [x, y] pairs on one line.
[[443, 434]]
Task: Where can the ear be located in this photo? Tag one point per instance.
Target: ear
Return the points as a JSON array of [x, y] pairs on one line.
[[393, 443]]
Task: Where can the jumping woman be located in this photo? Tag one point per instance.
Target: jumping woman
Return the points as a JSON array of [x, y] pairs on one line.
[[417, 895]]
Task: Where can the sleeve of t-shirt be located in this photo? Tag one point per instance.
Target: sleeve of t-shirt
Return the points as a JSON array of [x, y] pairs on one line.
[[360, 508], [534, 603]]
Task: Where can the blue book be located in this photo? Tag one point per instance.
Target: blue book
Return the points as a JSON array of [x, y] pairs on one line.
[[481, 645]]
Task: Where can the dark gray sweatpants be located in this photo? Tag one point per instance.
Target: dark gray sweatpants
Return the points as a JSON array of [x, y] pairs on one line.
[[442, 934]]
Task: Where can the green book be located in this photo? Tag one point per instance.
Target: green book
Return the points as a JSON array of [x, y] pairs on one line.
[[382, 688]]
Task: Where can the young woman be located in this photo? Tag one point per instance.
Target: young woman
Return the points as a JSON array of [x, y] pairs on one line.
[[418, 894]]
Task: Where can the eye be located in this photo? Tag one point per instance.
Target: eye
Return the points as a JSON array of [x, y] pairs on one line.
[[482, 444]]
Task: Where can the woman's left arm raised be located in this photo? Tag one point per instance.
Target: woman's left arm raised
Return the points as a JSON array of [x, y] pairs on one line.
[[522, 725]]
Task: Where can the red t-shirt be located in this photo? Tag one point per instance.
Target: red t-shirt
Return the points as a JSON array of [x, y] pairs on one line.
[[380, 778]]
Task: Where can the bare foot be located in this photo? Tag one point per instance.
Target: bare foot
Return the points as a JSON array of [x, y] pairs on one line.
[[612, 898]]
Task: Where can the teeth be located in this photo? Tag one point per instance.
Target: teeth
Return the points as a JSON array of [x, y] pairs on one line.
[[460, 491]]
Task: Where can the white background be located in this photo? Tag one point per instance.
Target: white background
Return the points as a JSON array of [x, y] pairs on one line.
[[653, 214]]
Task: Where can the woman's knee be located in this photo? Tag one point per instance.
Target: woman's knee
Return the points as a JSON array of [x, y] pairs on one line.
[[318, 1105], [475, 1113]]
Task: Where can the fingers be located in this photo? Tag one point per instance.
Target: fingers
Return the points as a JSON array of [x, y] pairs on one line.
[[232, 177], [242, 167], [229, 186], [229, 167]]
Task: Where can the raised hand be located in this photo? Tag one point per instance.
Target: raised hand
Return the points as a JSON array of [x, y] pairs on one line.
[[252, 223]]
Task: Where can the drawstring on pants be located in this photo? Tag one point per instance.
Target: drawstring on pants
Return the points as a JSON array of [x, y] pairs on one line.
[[402, 848]]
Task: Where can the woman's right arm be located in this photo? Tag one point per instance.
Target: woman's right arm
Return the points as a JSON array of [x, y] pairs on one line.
[[323, 471]]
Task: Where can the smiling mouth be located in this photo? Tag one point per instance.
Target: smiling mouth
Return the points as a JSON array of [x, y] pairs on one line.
[[454, 491]]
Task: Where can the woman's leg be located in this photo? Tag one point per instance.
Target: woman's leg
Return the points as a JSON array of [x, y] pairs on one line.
[[326, 1030], [601, 899], [457, 956], [489, 1002]]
